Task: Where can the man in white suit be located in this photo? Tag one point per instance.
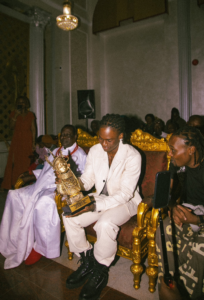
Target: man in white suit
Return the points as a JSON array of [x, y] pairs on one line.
[[114, 168]]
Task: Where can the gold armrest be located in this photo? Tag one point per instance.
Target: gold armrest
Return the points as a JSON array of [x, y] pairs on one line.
[[139, 234]]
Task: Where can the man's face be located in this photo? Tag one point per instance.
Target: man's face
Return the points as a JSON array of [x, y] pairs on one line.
[[149, 120], [175, 116], [170, 128], [21, 102], [109, 138], [195, 122], [67, 137], [94, 127], [157, 126], [181, 154]]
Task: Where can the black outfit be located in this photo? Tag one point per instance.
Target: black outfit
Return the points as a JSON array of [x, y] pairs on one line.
[[185, 247], [192, 183]]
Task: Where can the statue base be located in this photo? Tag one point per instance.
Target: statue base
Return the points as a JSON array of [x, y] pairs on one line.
[[77, 206]]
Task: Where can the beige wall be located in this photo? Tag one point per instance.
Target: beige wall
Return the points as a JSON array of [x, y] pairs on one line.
[[136, 71], [197, 52], [135, 68], [66, 65]]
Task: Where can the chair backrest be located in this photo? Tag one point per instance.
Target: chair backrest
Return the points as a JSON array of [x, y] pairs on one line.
[[155, 158], [85, 140]]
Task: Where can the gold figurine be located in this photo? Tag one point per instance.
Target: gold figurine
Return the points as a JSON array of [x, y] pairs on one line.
[[69, 186]]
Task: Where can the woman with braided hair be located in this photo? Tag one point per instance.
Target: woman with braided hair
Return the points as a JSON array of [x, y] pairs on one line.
[[184, 228], [114, 168]]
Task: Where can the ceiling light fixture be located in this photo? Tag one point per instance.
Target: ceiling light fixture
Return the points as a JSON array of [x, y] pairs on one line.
[[67, 21]]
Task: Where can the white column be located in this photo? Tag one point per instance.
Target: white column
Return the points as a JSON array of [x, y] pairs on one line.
[[39, 20], [184, 46]]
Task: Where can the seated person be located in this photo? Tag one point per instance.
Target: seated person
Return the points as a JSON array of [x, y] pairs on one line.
[[94, 128], [171, 127], [159, 129], [149, 127], [47, 144], [114, 168], [197, 121], [30, 218], [175, 117], [44, 143], [184, 227]]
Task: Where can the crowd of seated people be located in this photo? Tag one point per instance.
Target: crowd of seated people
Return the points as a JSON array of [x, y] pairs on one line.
[[157, 127], [114, 203]]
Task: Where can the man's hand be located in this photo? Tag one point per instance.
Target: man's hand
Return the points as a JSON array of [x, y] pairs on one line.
[[167, 293], [24, 174], [182, 215], [26, 177], [86, 209]]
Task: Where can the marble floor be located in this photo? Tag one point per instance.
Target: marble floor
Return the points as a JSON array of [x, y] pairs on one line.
[[46, 279]]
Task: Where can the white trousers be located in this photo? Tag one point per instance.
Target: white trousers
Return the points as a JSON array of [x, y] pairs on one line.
[[106, 227]]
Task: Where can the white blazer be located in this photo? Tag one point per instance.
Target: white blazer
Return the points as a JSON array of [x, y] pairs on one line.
[[121, 178]]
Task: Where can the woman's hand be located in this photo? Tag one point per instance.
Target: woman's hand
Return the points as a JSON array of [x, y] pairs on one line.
[[86, 209], [182, 215], [167, 293]]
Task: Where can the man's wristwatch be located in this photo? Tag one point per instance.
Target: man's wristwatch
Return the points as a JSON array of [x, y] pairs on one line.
[[201, 223]]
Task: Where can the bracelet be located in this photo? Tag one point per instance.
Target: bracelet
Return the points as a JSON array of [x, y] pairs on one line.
[[14, 119]]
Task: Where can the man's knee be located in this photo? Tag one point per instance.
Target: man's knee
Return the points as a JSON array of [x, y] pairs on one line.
[[107, 226]]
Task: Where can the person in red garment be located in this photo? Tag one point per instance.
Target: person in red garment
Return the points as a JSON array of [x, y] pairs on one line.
[[22, 122]]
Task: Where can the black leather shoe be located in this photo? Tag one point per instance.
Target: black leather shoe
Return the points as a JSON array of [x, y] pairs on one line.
[[96, 283], [77, 278]]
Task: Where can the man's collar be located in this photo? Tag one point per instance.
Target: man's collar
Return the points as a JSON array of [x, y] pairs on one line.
[[68, 149]]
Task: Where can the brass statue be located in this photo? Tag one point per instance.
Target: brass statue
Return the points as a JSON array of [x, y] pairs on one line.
[[68, 186]]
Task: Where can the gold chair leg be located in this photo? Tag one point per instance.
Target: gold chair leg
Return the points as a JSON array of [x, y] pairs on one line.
[[136, 268], [138, 232], [152, 270], [152, 273], [70, 254]]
